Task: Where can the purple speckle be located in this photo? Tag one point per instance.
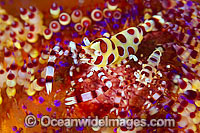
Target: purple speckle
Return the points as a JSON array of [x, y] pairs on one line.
[[79, 128], [58, 34], [49, 109], [88, 13], [30, 113], [83, 44], [14, 128], [24, 107], [61, 8], [180, 127], [149, 131], [133, 17], [57, 103], [168, 116], [39, 115], [185, 66], [113, 20], [57, 66], [58, 39], [30, 98], [115, 130], [66, 42], [2, 3], [142, 18], [166, 108], [123, 21], [183, 97], [103, 31], [52, 42], [189, 3], [136, 11], [87, 33], [20, 129], [103, 23], [127, 15], [62, 27], [189, 32], [107, 20], [75, 34], [187, 23], [174, 71], [115, 26], [94, 32], [190, 101], [178, 59], [198, 37], [131, 113], [72, 24], [41, 100], [63, 64]]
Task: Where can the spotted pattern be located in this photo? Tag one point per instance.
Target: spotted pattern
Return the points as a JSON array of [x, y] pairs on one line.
[[145, 73], [148, 67], [142, 29], [113, 45], [121, 38], [180, 51], [153, 59], [194, 54], [131, 31], [120, 50], [157, 52], [139, 30], [103, 46], [111, 58], [98, 60], [130, 50], [136, 40], [148, 24]]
